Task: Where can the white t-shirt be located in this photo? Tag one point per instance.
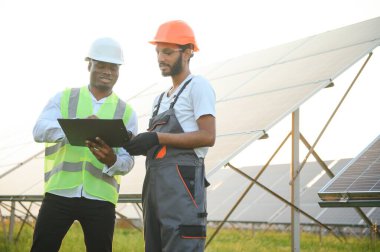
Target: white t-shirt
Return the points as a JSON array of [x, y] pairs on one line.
[[197, 99]]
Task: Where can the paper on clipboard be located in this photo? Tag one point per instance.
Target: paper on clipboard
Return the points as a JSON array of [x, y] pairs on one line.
[[111, 131]]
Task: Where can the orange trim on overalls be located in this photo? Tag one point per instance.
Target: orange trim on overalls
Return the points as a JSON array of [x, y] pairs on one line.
[[161, 153], [187, 189], [193, 237]]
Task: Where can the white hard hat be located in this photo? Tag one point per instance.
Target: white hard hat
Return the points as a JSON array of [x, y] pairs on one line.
[[106, 50]]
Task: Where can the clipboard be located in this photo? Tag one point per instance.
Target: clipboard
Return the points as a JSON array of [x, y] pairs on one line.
[[111, 131]]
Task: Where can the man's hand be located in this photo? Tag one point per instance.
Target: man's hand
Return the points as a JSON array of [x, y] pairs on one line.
[[102, 151], [140, 144], [92, 117]]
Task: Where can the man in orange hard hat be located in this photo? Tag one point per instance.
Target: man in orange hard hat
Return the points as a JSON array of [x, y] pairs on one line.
[[181, 129]]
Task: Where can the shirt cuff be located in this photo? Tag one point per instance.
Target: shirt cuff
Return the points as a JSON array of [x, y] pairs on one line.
[[110, 171]]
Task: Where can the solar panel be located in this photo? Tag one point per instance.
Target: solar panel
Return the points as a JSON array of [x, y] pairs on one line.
[[262, 88], [358, 184]]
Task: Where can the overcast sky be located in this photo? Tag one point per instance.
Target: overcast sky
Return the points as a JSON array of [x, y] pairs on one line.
[[43, 42]]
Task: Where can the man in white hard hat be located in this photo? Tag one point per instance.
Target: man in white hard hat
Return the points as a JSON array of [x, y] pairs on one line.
[[82, 183], [181, 130]]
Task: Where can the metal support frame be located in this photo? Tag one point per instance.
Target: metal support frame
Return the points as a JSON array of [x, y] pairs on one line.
[[311, 149], [253, 181], [35, 199], [12, 209], [364, 217], [296, 168], [355, 204], [257, 177], [316, 156], [12, 221], [283, 199], [246, 191], [374, 231], [350, 203], [25, 219], [122, 216], [3, 225]]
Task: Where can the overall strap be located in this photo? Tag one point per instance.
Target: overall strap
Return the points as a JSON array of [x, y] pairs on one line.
[[155, 112], [179, 93]]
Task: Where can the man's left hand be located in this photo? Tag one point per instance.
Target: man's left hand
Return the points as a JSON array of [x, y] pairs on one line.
[[102, 151]]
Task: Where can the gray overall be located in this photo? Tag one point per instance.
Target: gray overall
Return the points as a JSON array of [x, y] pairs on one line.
[[174, 193]]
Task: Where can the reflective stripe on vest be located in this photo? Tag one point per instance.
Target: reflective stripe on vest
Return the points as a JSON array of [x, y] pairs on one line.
[[68, 166], [73, 102], [77, 167], [51, 149]]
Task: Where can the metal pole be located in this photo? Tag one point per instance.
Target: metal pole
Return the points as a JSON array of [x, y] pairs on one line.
[[295, 186], [12, 221], [3, 224], [24, 221]]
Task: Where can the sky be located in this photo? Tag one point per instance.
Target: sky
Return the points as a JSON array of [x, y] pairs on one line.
[[44, 43]]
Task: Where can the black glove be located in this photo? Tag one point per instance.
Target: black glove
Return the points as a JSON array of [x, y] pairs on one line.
[[140, 144]]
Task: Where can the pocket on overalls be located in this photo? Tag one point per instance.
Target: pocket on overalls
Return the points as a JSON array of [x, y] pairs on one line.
[[164, 120], [192, 231], [187, 175]]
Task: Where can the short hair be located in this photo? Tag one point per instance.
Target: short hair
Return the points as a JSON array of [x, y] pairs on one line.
[[187, 46]]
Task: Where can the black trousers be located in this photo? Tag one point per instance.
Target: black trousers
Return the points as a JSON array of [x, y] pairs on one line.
[[57, 214]]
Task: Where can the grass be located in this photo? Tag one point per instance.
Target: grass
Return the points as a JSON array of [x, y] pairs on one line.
[[244, 240], [228, 240]]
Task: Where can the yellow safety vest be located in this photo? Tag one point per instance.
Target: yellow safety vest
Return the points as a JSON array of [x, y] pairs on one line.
[[68, 166]]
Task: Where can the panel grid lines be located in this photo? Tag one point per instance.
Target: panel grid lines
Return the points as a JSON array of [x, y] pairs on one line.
[[359, 180]]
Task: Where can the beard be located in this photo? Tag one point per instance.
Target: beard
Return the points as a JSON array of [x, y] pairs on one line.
[[175, 69]]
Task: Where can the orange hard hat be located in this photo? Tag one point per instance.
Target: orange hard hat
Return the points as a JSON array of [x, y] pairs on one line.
[[175, 32]]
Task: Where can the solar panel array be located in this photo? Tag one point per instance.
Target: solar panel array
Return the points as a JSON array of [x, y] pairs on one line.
[[359, 180], [254, 92]]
